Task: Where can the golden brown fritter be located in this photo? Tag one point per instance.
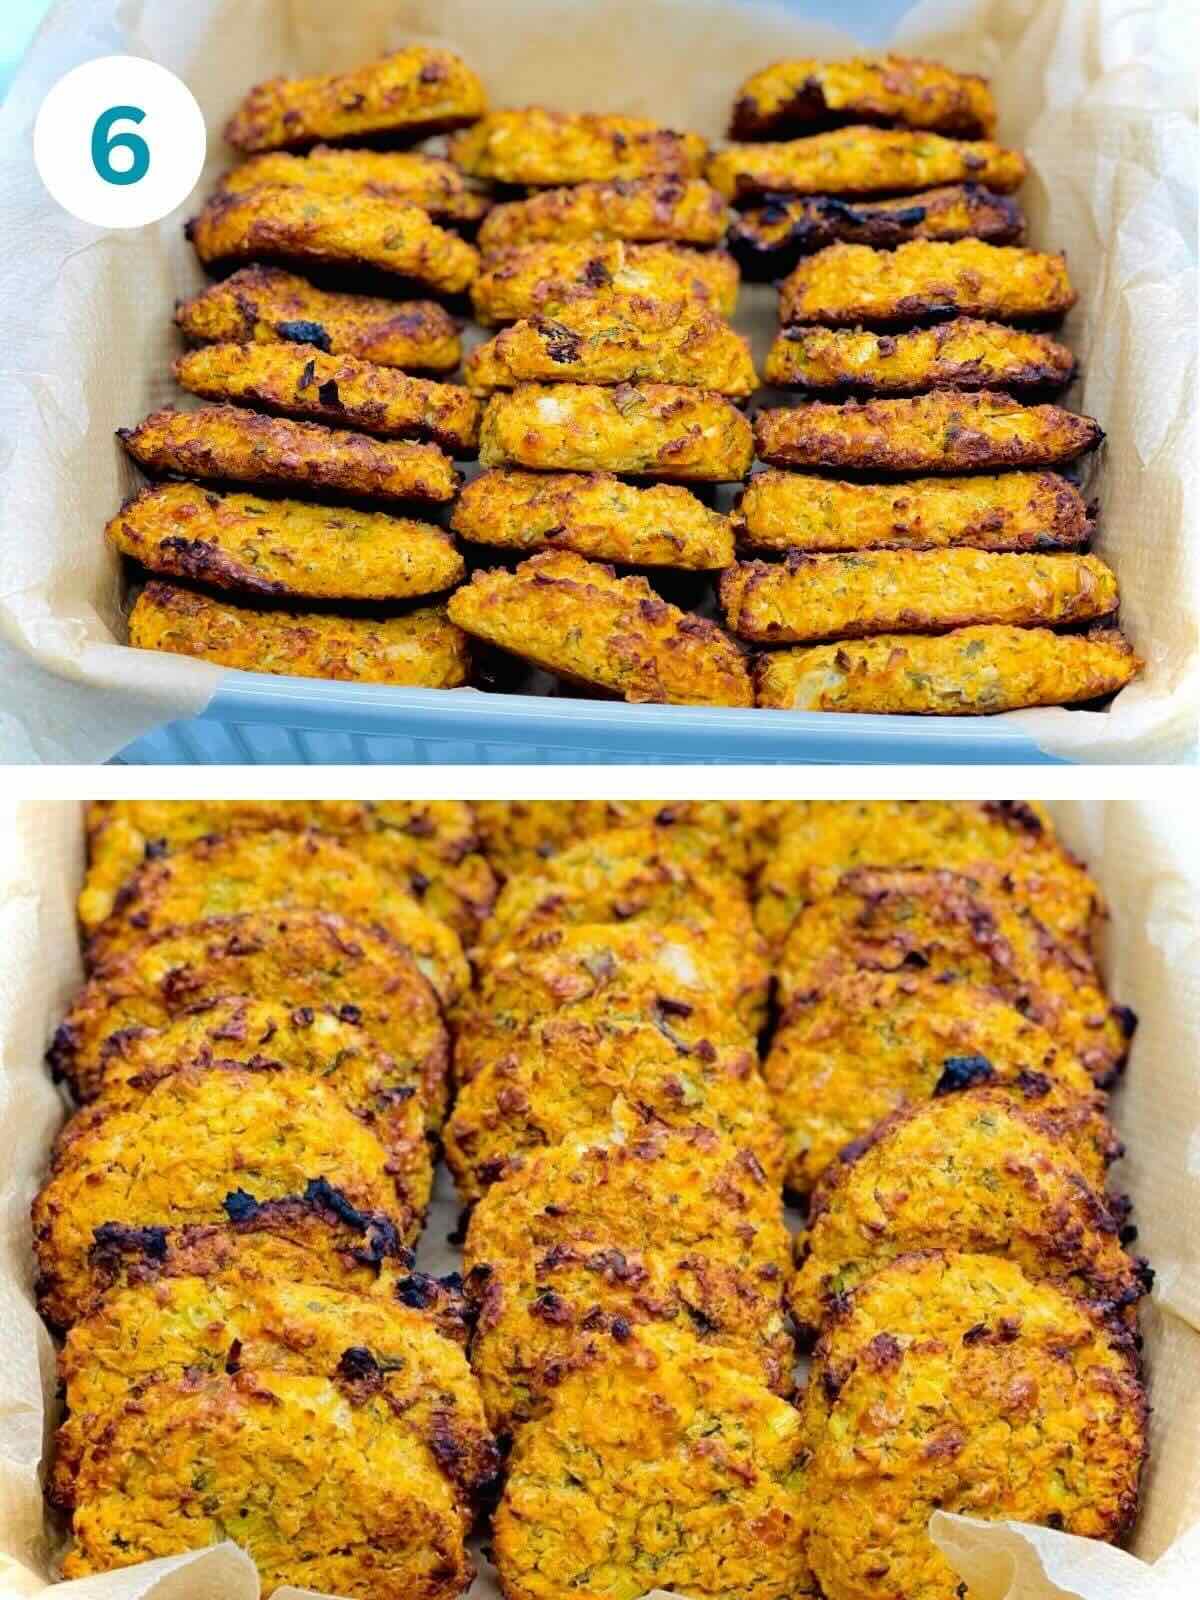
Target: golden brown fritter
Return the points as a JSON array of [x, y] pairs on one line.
[[1007, 842], [656, 430], [666, 1467], [538, 280], [969, 1172], [437, 186], [943, 431], [971, 672], [267, 305], [594, 514], [276, 223], [871, 1042], [862, 161], [636, 1222], [1007, 511], [297, 958], [186, 1149], [272, 870], [577, 619], [791, 97], [543, 148], [322, 1485], [278, 548], [410, 93], [813, 597], [963, 354], [938, 922], [685, 210], [846, 285], [617, 338], [950, 1381], [420, 649], [298, 380], [229, 443], [769, 239]]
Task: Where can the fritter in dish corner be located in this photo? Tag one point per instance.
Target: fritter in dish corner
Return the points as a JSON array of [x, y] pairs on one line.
[[544, 149], [797, 97]]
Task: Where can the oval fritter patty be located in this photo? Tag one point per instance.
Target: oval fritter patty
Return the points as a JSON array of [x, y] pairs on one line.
[[540, 279], [642, 210], [972, 672], [420, 649], [942, 431], [938, 922], [186, 1151], [594, 514], [613, 1227], [790, 97], [666, 1467], [1008, 511], [563, 1077], [953, 1382], [414, 92], [300, 380], [267, 305], [862, 161], [968, 1172], [437, 186], [323, 1485], [871, 1042], [577, 619], [297, 958], [962, 354], [231, 444], [279, 868], [546, 148]]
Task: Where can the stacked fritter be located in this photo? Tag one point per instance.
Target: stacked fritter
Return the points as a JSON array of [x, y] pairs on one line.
[[260, 1060], [932, 548]]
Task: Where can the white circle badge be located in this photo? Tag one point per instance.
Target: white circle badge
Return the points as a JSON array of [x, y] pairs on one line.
[[119, 142]]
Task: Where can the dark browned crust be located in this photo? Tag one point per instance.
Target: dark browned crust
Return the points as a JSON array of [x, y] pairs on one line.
[[807, 112]]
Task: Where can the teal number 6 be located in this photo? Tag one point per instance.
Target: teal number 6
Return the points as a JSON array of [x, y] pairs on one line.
[[104, 143]]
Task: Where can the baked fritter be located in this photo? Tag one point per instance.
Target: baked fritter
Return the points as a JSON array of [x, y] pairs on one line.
[[277, 869], [968, 1172], [943, 431], [871, 1042], [410, 93], [1008, 511], [186, 1149], [950, 1381], [684, 210], [231, 444], [664, 1468], [594, 514], [971, 672], [577, 619], [846, 285], [656, 430], [862, 161], [296, 958], [938, 922], [299, 380], [813, 597], [543, 148], [791, 97], [538, 280], [963, 354], [563, 1078], [617, 339], [427, 181], [1010, 843], [769, 239], [420, 649], [267, 305], [280, 548], [322, 1485], [635, 1222], [279, 224]]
